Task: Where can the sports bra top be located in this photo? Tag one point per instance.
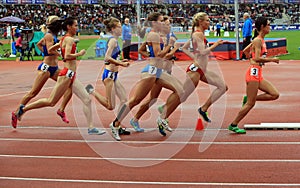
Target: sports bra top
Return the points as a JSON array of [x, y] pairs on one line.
[[263, 52], [116, 51], [63, 50], [45, 51], [195, 44]]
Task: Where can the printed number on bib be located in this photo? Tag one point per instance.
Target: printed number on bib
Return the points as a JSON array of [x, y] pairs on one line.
[[152, 70], [254, 72], [44, 67], [111, 75], [70, 74], [193, 68]]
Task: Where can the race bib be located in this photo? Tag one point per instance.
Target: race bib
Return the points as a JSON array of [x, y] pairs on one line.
[[44, 67], [254, 71], [193, 68], [111, 75], [70, 74], [152, 70]]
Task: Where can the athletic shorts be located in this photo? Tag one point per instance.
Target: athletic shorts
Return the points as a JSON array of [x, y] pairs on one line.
[[68, 73], [193, 68], [152, 70], [44, 67], [254, 73], [109, 74]]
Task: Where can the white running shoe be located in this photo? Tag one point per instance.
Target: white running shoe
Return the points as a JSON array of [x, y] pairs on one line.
[[162, 125], [115, 132], [168, 128], [163, 122], [160, 110]]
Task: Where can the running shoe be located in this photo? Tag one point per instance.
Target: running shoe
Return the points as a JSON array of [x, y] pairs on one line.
[[115, 132], [162, 124], [14, 120], [245, 98], [168, 128], [236, 129], [204, 115], [136, 126], [89, 88], [63, 116], [160, 109], [95, 131], [20, 112], [123, 131]]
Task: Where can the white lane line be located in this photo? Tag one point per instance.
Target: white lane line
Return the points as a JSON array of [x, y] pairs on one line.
[[147, 142], [272, 126], [43, 127], [152, 159], [85, 128], [21, 92], [147, 182]]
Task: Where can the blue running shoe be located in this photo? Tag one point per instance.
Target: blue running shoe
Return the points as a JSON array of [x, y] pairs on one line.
[[95, 131], [20, 112], [136, 126], [204, 115]]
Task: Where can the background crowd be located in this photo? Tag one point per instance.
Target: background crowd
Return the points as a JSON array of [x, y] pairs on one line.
[[91, 17]]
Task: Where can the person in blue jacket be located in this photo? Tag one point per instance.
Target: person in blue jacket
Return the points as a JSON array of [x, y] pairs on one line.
[[126, 37], [247, 32]]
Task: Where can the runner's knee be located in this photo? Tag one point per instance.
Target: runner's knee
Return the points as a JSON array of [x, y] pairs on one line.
[[250, 103], [51, 103], [32, 94], [134, 102], [223, 88], [111, 106], [275, 96]]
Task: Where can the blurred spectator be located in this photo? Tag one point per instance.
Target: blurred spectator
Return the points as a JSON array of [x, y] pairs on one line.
[[4, 35], [90, 16], [19, 46], [126, 37], [247, 32], [218, 29]]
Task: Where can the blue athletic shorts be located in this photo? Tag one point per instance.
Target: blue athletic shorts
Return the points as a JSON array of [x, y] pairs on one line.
[[44, 67], [152, 70], [109, 74]]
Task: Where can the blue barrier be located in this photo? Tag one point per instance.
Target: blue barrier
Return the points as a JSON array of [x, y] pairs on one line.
[[13, 48], [100, 48]]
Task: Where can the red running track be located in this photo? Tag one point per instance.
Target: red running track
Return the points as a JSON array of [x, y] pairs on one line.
[[45, 152]]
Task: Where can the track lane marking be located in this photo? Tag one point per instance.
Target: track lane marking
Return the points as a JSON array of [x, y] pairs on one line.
[[147, 142], [152, 159], [147, 182]]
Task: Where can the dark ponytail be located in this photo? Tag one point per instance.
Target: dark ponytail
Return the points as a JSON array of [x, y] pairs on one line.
[[255, 34], [68, 21], [261, 21], [55, 27]]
